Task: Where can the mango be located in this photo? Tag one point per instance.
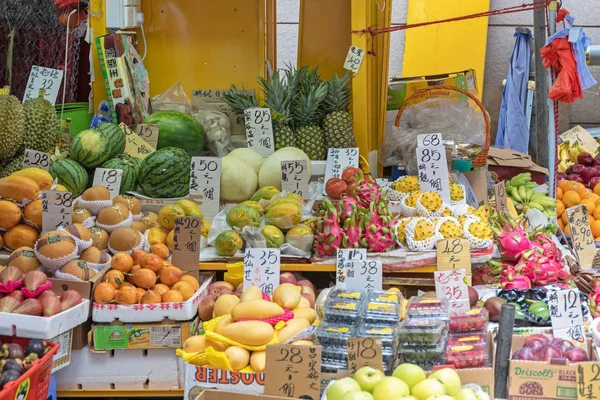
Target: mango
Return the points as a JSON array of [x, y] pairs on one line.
[[224, 304], [307, 313], [157, 235], [251, 293], [190, 208], [291, 328], [223, 322], [303, 343], [258, 361], [256, 309], [249, 333], [238, 358], [195, 344], [287, 295], [41, 177]]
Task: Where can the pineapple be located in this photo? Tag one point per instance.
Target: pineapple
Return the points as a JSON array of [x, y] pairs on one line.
[[309, 135], [457, 192], [337, 123], [406, 184], [239, 101], [279, 100]]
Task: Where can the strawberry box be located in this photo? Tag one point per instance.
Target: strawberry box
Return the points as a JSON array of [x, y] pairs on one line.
[[468, 320]]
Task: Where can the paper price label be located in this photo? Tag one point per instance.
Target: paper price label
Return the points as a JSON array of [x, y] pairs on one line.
[[344, 255], [354, 59], [452, 286], [110, 178], [364, 275], [186, 242], [453, 254], [338, 160], [261, 269], [433, 170], [48, 79], [135, 146], [293, 371], [581, 233], [500, 197], [205, 183], [148, 132], [56, 209], [259, 130], [430, 140], [566, 315], [363, 352], [36, 159], [588, 380], [583, 137], [295, 178]]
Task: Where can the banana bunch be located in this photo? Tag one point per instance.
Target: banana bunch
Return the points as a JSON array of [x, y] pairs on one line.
[[568, 153], [520, 190]]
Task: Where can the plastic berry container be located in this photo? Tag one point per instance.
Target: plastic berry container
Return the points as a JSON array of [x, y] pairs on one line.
[[378, 296], [357, 295], [467, 356], [427, 308], [382, 313], [335, 355], [343, 311], [470, 338], [332, 367], [388, 334], [473, 320], [424, 356], [334, 335], [422, 332]]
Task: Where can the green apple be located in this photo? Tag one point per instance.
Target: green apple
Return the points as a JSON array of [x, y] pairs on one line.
[[390, 387], [442, 397], [449, 378], [467, 394], [411, 374], [357, 396], [341, 387], [427, 388], [368, 377]]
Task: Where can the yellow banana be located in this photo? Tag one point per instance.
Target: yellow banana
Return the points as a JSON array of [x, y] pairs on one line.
[[573, 153]]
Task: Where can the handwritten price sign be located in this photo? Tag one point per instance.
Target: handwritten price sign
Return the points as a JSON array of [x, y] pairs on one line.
[[259, 130], [135, 146], [44, 78], [432, 165], [579, 134], [566, 315], [36, 159], [452, 286], [56, 209], [364, 275], [344, 255], [295, 177], [453, 254], [293, 371], [186, 242], [110, 178], [583, 240], [148, 132], [354, 59], [364, 351], [261, 269], [588, 381], [500, 196], [205, 183]]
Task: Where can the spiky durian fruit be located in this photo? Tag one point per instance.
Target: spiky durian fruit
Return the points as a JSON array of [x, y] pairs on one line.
[[13, 165], [12, 127], [41, 125]]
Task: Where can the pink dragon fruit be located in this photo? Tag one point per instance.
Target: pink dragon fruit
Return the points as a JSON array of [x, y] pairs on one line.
[[594, 301], [367, 193], [483, 275], [379, 232], [348, 205], [520, 282], [513, 243], [354, 235], [328, 235], [548, 246]]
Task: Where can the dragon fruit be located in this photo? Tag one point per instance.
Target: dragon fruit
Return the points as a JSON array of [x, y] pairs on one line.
[[328, 236], [548, 246], [348, 206], [594, 301], [483, 275], [354, 231], [367, 193], [379, 232], [519, 282]]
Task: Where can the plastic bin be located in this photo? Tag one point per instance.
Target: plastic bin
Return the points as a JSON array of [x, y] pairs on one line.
[[80, 117]]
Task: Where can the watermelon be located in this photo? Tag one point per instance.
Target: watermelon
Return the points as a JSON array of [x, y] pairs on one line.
[[90, 148], [129, 179], [165, 173], [116, 138], [70, 174], [177, 129]]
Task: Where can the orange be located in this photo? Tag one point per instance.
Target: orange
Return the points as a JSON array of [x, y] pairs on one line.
[[596, 213], [591, 206], [583, 191], [564, 219], [560, 224], [560, 207], [563, 185], [595, 228], [591, 196], [597, 189], [571, 198], [571, 185], [567, 230], [559, 193], [597, 239]]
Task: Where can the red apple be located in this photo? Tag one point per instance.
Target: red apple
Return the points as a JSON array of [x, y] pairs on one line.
[[585, 159], [219, 288], [577, 169], [589, 173], [308, 291], [306, 282], [575, 178], [287, 277], [335, 187]]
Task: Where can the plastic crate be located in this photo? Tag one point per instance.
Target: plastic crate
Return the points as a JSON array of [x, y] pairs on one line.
[[80, 117], [34, 383]]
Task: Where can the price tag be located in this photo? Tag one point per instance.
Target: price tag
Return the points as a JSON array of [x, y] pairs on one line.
[[430, 140], [581, 233], [432, 166], [588, 380], [36, 159], [109, 177], [186, 242], [148, 132], [261, 269], [259, 130], [453, 254], [295, 177], [293, 371], [135, 146], [363, 352], [579, 134], [338, 160], [452, 286], [205, 183], [500, 197], [364, 275], [344, 255], [48, 79], [56, 209], [354, 59], [566, 315]]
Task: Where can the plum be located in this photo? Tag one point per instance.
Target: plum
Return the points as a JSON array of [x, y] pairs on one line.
[[575, 354], [585, 159], [536, 342], [549, 352], [588, 173], [525, 353]]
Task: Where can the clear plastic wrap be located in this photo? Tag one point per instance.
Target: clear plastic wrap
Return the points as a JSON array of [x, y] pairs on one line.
[[174, 98], [216, 125], [456, 120]]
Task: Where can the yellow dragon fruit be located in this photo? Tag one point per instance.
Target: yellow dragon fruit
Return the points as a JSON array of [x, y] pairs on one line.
[[423, 230], [457, 192], [411, 200], [480, 230], [432, 201], [450, 229], [401, 230], [462, 219], [447, 212], [483, 213], [406, 184]]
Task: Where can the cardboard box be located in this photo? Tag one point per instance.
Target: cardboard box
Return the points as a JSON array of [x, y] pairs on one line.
[[541, 380], [155, 312], [63, 357], [197, 378], [221, 395], [399, 89], [168, 334], [507, 163]]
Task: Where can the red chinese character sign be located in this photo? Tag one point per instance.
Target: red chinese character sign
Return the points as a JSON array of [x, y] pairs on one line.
[[452, 286], [261, 269]]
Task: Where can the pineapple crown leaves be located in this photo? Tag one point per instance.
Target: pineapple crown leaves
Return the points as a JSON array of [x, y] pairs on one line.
[[311, 98], [239, 100], [338, 93], [277, 98]]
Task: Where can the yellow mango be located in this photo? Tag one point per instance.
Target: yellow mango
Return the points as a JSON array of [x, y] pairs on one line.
[[157, 235], [306, 313], [249, 333], [291, 328], [256, 309]]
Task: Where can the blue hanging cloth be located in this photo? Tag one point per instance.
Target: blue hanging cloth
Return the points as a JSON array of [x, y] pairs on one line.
[[513, 130]]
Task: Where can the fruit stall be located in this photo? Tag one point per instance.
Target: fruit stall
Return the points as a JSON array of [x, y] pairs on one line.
[[212, 224]]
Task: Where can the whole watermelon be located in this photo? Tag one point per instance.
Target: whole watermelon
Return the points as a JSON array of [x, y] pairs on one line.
[[129, 179], [116, 138], [177, 129], [165, 173], [70, 174], [90, 148]]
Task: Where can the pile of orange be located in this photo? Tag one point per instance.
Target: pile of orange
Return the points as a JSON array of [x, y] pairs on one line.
[[570, 194]]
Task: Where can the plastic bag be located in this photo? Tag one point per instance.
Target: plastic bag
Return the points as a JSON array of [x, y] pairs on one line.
[[174, 98], [455, 120], [216, 125]]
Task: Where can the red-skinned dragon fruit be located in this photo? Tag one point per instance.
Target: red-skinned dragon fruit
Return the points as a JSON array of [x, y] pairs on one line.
[[367, 192], [328, 235], [354, 231], [594, 301], [379, 232], [512, 239]]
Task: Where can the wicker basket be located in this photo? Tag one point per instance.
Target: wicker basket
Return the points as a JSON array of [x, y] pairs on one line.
[[481, 158]]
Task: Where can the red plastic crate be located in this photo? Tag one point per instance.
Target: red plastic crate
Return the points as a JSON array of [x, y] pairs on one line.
[[34, 383]]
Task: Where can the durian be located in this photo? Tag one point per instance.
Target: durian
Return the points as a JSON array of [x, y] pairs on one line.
[[41, 125], [12, 127], [13, 165]]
